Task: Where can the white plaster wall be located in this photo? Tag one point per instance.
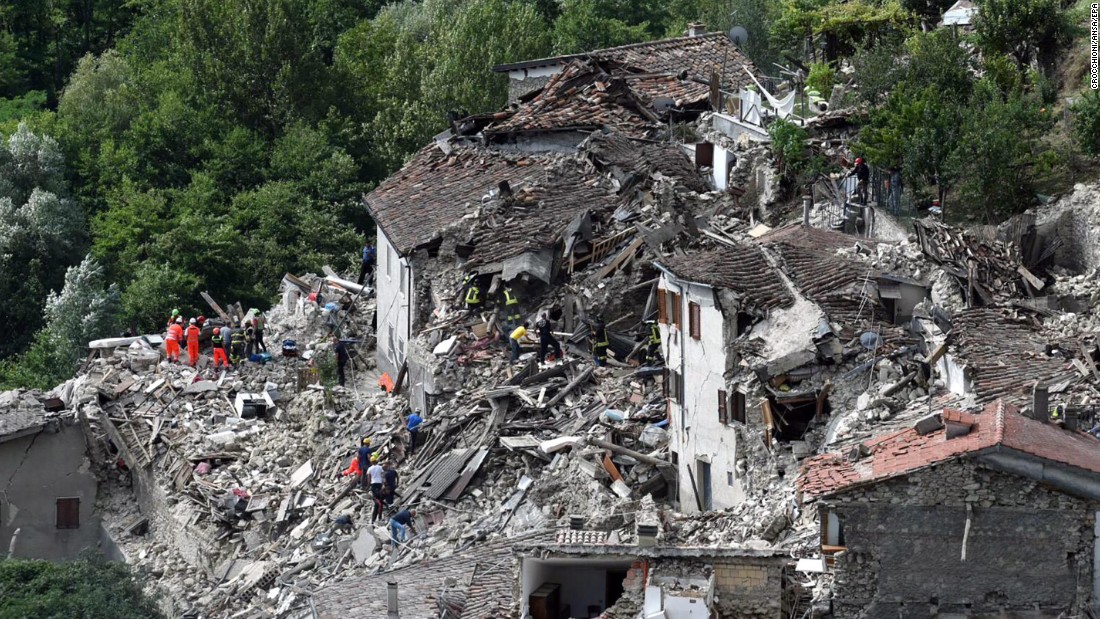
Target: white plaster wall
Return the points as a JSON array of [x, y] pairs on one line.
[[394, 301], [720, 173], [696, 433], [953, 375], [535, 72]]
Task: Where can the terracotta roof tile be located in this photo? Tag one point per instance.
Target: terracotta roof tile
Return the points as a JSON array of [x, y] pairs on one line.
[[433, 190], [905, 451], [743, 270]]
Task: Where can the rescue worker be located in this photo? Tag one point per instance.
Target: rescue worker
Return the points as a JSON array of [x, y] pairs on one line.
[[599, 341], [545, 329], [389, 490], [518, 334], [377, 475], [218, 348], [173, 317], [473, 293], [342, 358], [413, 426], [200, 321], [260, 323], [192, 333], [652, 350], [1058, 415], [863, 176], [363, 455], [512, 313], [236, 347], [172, 341], [367, 266], [399, 525], [249, 339]]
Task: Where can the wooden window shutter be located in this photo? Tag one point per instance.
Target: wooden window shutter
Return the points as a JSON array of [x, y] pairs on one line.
[[738, 406], [676, 311], [695, 313], [723, 412], [68, 513], [662, 308]]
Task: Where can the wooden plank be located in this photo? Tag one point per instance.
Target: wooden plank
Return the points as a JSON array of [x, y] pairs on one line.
[[400, 378], [583, 376], [217, 308], [611, 469], [1030, 278], [616, 262], [1088, 360]]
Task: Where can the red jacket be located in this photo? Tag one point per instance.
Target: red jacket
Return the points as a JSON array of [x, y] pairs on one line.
[[353, 469], [175, 333], [193, 334]]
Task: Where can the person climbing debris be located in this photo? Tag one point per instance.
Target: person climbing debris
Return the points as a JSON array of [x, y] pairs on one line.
[[518, 334], [399, 525], [413, 426], [259, 323], [547, 341], [651, 352], [249, 339], [363, 461], [172, 341], [599, 341], [512, 313], [218, 348], [342, 357], [193, 332], [390, 479], [473, 293]]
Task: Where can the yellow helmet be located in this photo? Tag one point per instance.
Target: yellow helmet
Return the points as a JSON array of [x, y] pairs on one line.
[[366, 440], [374, 458]]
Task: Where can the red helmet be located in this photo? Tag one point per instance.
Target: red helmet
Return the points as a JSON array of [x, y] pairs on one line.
[[217, 330], [859, 160]]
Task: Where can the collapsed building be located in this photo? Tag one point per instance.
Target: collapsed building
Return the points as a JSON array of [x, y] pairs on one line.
[[655, 486]]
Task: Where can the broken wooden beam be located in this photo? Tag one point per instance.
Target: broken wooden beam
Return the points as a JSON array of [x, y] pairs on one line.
[[217, 308], [619, 449], [583, 376], [621, 258]]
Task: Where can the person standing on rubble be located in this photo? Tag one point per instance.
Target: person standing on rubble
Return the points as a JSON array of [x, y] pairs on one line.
[[193, 332], [863, 176], [236, 346], [249, 338], [173, 317], [399, 524], [512, 313], [363, 458], [366, 268], [651, 352], [218, 348], [473, 293], [599, 341], [389, 489], [377, 478], [413, 426], [547, 341], [342, 357], [172, 341], [518, 334], [259, 323]]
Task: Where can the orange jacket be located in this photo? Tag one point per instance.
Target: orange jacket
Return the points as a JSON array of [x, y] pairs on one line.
[[354, 468], [175, 333], [193, 334]]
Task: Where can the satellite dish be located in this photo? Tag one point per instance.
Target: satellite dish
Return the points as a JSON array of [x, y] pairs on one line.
[[739, 35]]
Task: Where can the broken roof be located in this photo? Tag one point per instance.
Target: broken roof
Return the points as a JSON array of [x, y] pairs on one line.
[[583, 96], [1000, 426], [743, 270], [482, 589], [1004, 357], [694, 56], [16, 420], [434, 188], [632, 161]]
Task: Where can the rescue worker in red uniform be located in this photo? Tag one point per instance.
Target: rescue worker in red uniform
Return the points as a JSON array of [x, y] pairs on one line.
[[193, 343], [172, 341]]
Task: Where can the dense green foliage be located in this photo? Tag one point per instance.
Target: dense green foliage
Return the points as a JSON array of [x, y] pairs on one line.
[[1086, 122], [89, 588]]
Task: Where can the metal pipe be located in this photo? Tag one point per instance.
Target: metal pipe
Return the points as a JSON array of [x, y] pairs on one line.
[[391, 600]]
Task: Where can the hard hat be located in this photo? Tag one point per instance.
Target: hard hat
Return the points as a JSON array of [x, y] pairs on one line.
[[374, 458], [859, 160], [217, 330], [175, 313], [192, 321], [179, 320], [202, 318], [366, 440]]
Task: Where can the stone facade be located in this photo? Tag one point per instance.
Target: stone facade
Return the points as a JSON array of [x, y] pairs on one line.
[[748, 588], [961, 539]]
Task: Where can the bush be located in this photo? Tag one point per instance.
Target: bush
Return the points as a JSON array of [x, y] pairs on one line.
[[821, 78], [1086, 122], [89, 588]]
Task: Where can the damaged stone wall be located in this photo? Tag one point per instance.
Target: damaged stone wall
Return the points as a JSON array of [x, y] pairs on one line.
[[1027, 547], [36, 470], [748, 588]]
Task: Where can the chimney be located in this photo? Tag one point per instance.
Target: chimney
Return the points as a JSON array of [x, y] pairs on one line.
[[1040, 402], [696, 29], [807, 204], [647, 534], [576, 522], [391, 600]]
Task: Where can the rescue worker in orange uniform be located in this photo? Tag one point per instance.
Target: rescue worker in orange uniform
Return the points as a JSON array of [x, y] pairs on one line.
[[172, 341], [219, 348], [193, 343]]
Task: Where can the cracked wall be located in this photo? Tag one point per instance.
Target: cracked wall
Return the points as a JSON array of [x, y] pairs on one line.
[[1028, 548], [35, 471]]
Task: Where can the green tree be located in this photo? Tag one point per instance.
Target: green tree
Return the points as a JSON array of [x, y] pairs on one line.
[[1022, 28], [821, 78], [90, 588], [1086, 122], [595, 24]]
